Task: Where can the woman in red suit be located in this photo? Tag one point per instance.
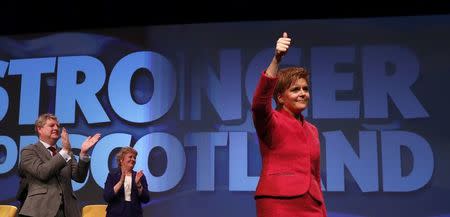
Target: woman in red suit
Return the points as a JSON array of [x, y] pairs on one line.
[[289, 184]]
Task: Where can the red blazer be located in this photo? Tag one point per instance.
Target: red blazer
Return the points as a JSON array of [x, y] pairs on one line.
[[290, 148]]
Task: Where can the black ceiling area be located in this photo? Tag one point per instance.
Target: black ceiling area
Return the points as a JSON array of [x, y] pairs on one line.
[[20, 17]]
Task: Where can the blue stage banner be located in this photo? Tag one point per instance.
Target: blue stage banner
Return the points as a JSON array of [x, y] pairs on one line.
[[180, 95]]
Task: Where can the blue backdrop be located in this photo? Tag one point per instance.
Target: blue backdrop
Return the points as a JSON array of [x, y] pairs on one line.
[[180, 95]]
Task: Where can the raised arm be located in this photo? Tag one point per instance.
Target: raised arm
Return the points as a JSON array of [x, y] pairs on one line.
[[281, 49], [262, 98]]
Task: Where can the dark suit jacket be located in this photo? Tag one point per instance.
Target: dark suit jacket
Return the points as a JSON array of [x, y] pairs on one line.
[[22, 191], [289, 147], [49, 182], [116, 202]]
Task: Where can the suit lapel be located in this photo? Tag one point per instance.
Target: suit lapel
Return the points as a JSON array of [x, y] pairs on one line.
[[43, 152]]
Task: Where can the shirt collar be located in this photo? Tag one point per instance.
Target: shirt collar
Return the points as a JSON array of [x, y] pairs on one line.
[[46, 145]]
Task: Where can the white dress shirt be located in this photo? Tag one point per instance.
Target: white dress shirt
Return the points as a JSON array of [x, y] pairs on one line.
[[127, 186]]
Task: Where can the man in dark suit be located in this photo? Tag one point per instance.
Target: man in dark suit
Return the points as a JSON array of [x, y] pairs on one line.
[[49, 170]]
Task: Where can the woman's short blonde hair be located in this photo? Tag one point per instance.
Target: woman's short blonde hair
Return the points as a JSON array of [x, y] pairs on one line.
[[123, 151]]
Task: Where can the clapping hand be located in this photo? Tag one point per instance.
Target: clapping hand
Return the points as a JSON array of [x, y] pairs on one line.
[[88, 143], [139, 175], [65, 140]]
